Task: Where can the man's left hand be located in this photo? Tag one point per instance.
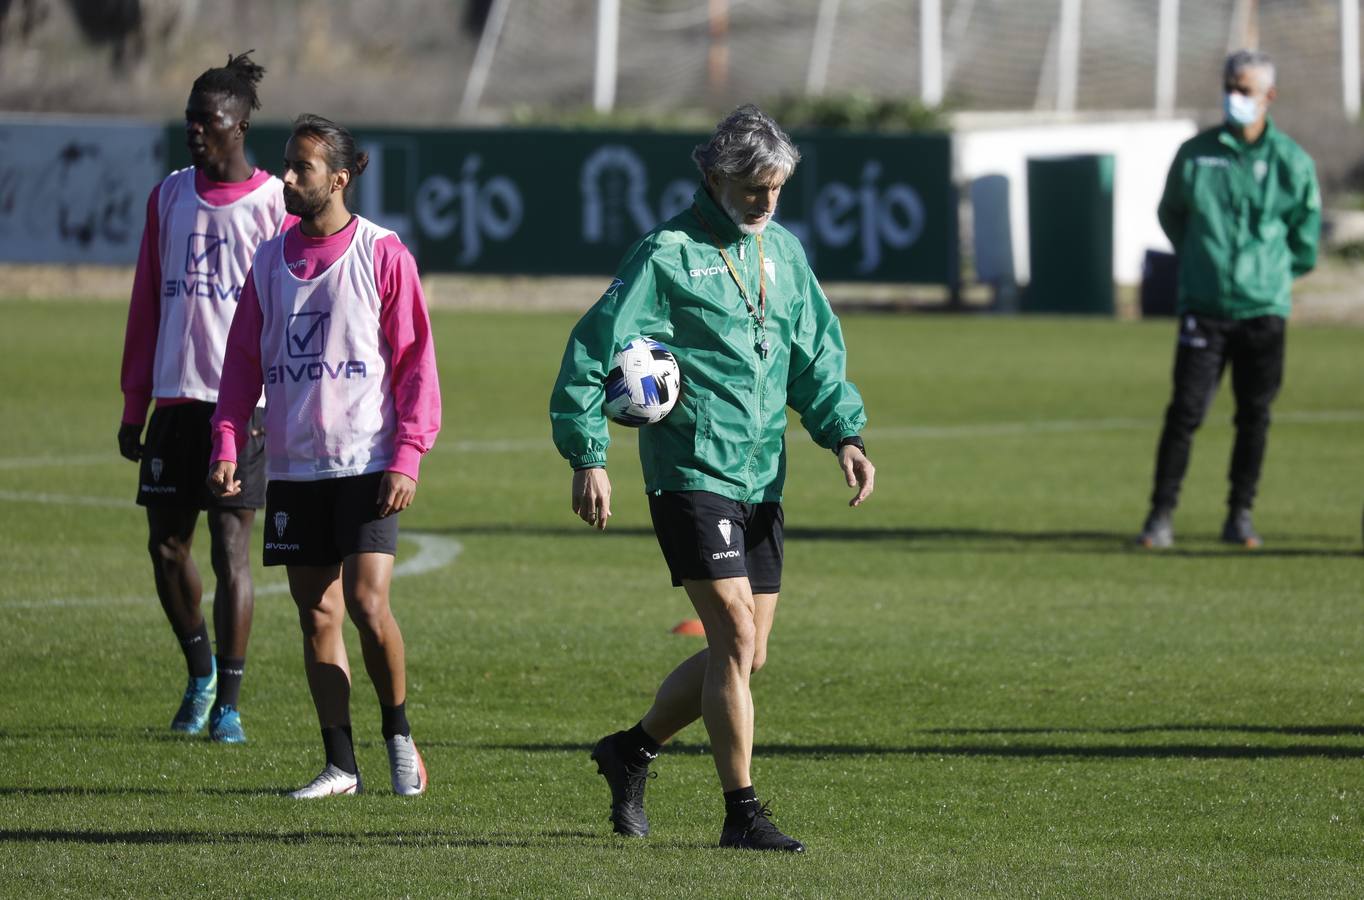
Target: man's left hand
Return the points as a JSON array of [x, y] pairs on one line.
[[859, 472], [396, 491]]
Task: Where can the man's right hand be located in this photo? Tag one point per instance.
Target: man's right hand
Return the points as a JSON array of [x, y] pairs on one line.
[[592, 496], [220, 480], [130, 441]]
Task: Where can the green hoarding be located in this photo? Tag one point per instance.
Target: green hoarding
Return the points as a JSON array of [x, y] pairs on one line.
[[542, 202]]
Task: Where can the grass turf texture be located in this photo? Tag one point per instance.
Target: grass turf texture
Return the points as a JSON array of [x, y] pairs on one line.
[[975, 687]]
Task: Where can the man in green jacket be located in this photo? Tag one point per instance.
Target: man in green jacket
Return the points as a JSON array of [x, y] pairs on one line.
[[1242, 209], [730, 292]]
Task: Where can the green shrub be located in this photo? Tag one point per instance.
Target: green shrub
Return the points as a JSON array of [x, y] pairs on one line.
[[856, 111], [853, 111]]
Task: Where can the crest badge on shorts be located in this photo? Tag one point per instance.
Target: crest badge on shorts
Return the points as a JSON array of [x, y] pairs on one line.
[[281, 522], [726, 528], [156, 465]]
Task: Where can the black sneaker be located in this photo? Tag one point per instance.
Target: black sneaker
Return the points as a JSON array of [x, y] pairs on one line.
[[1238, 529], [626, 777], [1159, 531], [757, 833]]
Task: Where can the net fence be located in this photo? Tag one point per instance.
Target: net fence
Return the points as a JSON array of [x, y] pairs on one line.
[[411, 62], [997, 54]]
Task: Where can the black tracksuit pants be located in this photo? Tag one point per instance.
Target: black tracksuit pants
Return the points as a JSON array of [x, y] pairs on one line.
[[1254, 348]]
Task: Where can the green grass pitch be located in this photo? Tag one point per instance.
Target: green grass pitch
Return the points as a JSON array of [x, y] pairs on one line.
[[976, 686]]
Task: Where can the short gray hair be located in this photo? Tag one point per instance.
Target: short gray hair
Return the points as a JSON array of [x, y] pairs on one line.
[[1248, 59], [748, 142]]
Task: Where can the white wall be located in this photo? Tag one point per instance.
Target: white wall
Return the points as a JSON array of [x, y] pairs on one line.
[[1142, 153]]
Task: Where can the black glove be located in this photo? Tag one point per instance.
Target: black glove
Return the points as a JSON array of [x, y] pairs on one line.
[[130, 441]]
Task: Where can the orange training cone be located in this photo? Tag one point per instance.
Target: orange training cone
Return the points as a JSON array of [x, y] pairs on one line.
[[689, 626]]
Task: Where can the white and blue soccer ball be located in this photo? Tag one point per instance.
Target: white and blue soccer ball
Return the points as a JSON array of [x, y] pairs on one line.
[[643, 383]]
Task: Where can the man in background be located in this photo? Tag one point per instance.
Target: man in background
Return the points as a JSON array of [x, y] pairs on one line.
[[203, 226], [1242, 209]]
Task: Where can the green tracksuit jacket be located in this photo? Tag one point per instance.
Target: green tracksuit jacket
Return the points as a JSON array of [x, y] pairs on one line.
[[727, 432], [1244, 221]]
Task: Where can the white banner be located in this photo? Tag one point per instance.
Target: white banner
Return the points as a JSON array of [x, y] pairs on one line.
[[75, 191]]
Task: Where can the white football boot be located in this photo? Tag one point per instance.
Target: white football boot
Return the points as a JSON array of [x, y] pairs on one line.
[[330, 782], [405, 762]]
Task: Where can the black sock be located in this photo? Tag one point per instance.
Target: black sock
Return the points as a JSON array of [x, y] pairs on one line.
[[741, 803], [230, 670], [340, 750], [395, 720], [198, 651], [638, 739]]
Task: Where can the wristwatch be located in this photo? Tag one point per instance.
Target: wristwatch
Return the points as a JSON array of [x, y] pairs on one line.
[[851, 440]]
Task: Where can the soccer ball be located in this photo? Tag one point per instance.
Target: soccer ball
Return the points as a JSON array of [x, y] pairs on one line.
[[643, 383]]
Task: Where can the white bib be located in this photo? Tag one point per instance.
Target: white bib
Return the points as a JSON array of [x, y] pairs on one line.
[[205, 255], [329, 407]]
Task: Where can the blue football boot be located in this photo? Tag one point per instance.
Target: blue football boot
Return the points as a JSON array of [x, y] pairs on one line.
[[194, 708], [225, 725]]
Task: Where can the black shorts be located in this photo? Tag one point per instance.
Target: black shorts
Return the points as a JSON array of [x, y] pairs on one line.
[[318, 523], [175, 460], [705, 537]]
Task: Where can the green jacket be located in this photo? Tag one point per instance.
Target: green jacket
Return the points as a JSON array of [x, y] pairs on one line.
[[1244, 221], [727, 432]]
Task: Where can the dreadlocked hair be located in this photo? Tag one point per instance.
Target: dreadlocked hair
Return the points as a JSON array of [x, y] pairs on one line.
[[236, 79]]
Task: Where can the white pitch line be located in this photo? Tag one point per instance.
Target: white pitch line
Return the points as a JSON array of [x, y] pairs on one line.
[[65, 499], [40, 462], [434, 551]]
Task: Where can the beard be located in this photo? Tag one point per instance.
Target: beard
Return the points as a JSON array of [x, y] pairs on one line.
[[737, 216], [305, 205]]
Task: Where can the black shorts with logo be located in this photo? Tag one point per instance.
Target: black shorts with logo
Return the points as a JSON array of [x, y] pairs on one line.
[[705, 537], [318, 523], [175, 460]]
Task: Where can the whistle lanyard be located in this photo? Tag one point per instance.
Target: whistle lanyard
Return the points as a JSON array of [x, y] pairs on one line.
[[760, 314]]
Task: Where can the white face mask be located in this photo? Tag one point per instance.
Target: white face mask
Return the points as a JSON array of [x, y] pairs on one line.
[[1240, 109]]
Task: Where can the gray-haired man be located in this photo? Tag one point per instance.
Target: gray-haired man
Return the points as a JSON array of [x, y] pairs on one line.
[[1242, 210], [730, 292]]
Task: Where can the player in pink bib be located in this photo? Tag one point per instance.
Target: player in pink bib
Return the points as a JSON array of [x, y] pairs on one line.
[[203, 226], [333, 324]]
